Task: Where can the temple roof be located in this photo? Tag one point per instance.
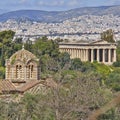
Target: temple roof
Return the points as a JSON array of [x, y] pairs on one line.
[[22, 55]]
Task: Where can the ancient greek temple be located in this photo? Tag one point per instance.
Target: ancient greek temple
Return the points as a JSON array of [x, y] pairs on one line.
[[100, 51]]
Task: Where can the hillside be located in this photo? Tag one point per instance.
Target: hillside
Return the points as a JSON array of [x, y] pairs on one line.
[[2, 11], [55, 16]]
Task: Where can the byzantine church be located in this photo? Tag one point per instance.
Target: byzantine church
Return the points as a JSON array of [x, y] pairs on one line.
[[22, 74]]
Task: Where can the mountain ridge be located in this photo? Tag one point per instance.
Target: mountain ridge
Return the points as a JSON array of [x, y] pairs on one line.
[[58, 16]]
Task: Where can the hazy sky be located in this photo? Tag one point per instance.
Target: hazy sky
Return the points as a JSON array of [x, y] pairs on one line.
[[52, 5]]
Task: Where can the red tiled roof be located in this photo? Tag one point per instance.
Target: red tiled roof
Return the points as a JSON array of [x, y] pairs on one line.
[[31, 84], [6, 86], [28, 85]]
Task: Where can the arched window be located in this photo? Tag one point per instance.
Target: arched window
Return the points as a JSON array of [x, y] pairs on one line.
[[18, 71], [30, 71]]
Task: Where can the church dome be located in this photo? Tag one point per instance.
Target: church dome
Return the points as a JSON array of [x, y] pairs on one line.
[[23, 56]]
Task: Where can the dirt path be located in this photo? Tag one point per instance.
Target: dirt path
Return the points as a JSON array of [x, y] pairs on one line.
[[105, 108]]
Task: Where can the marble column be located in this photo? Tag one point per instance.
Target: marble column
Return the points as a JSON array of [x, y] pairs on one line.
[[86, 54], [98, 55], [78, 53], [73, 53], [69, 51], [114, 52], [109, 55], [103, 60], [91, 55], [81, 54]]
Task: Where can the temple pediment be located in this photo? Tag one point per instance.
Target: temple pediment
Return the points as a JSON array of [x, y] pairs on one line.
[[100, 42]]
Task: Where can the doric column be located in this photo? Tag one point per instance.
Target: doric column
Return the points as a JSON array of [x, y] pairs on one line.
[[86, 54], [69, 51], [91, 55], [73, 53], [109, 55], [103, 60], [78, 53], [82, 54], [114, 52], [98, 55]]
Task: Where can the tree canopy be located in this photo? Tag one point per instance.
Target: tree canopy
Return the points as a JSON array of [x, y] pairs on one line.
[[108, 35], [82, 87]]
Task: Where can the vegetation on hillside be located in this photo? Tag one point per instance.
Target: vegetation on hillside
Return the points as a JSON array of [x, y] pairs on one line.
[[108, 35], [82, 87]]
